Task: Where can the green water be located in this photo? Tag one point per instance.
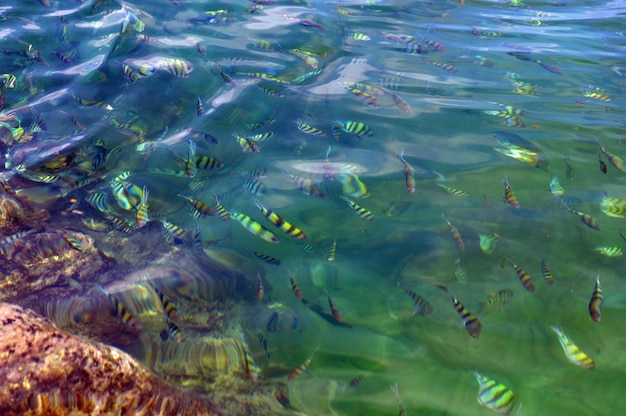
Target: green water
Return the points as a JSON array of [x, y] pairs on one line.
[[579, 96]]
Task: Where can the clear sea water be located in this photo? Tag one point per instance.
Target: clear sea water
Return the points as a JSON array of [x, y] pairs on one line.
[[562, 62]]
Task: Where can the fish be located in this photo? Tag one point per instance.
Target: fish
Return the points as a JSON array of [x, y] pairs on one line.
[[264, 345], [208, 163], [524, 278], [254, 227], [363, 213], [596, 301], [178, 67], [573, 354], [174, 331], [357, 128], [401, 104], [198, 208], [609, 251], [271, 322], [263, 257], [509, 196], [254, 185], [127, 195], [545, 272], [494, 396], [453, 191], [352, 185], [306, 185], [279, 222], [332, 251], [142, 209], [222, 213], [460, 273], [555, 187], [247, 145], [489, 243], [333, 309], [396, 393], [191, 166], [260, 290], [616, 161], [420, 305], [308, 129], [548, 67], [447, 67], [586, 219], [495, 301], [597, 93], [472, 324], [569, 170], [302, 367], [456, 236], [118, 310], [613, 207], [409, 173], [170, 310], [173, 229], [294, 287], [308, 57], [199, 108], [356, 381], [602, 164]]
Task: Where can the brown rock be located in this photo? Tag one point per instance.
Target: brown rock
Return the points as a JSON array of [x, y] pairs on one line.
[[46, 371]]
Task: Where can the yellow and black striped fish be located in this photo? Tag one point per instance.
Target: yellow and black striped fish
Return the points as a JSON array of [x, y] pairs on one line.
[[586, 219], [222, 213], [546, 273], [174, 331], [306, 185], [254, 227], [352, 185], [142, 209], [333, 309], [279, 222], [173, 229], [456, 236], [495, 301], [355, 127], [208, 163], [254, 185], [460, 273], [494, 396], [420, 304], [198, 208], [596, 301], [308, 129], [524, 278], [118, 310], [573, 354], [263, 342], [362, 212], [170, 310], [472, 324], [191, 166], [509, 196], [609, 251], [294, 287], [176, 66], [263, 257], [332, 251], [247, 145], [302, 366]]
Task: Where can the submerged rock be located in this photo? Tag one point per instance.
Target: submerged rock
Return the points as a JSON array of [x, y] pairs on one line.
[[47, 371]]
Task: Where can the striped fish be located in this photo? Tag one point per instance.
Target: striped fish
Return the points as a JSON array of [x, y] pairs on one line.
[[524, 278], [409, 173], [494, 396], [362, 212], [472, 324], [460, 273], [254, 227], [596, 301], [306, 185], [509, 196], [332, 251], [546, 273], [294, 286], [355, 127], [247, 145], [283, 225], [456, 236], [208, 163], [573, 354], [302, 367], [253, 185], [174, 331], [308, 129], [263, 257], [170, 310], [495, 301], [352, 185], [191, 166], [420, 305], [118, 310], [198, 208], [142, 209], [222, 213]]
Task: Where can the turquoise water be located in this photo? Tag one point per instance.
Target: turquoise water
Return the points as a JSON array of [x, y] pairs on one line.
[[431, 79]]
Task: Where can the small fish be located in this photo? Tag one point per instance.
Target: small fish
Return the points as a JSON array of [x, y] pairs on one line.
[[208, 163], [173, 229], [555, 187], [356, 381], [198, 208], [494, 396], [596, 301], [613, 207], [524, 278], [447, 67], [602, 164], [495, 301], [573, 354], [306, 185], [118, 310], [460, 273], [174, 331], [263, 257], [279, 222], [355, 127], [362, 212], [247, 145], [472, 324], [489, 243], [586, 219], [308, 129], [333, 309], [263, 342], [401, 104], [409, 173], [394, 389], [548, 67], [294, 287], [260, 290], [272, 322], [509, 196], [352, 185], [614, 160], [142, 209], [199, 108], [253, 185], [332, 251], [302, 367], [569, 170], [88, 103], [456, 236], [254, 227], [176, 66], [170, 310], [546, 273], [222, 213], [609, 251], [420, 304], [453, 191], [191, 166]]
